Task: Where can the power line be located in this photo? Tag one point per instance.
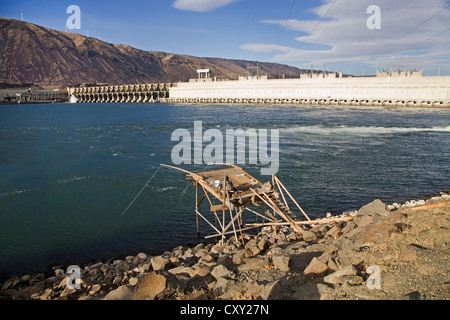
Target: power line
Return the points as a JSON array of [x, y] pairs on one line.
[[428, 39], [321, 20], [282, 29], [411, 30], [317, 24]]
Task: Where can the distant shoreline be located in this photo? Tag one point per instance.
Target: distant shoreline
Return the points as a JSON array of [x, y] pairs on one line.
[[241, 103]]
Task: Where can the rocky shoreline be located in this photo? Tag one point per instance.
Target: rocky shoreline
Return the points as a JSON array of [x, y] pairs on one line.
[[396, 251]]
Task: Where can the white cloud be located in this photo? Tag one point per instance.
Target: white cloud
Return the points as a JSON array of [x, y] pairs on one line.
[[406, 29], [200, 5]]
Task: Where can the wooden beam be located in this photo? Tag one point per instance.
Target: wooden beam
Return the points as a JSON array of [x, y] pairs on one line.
[[292, 198], [319, 221], [431, 206], [296, 228]]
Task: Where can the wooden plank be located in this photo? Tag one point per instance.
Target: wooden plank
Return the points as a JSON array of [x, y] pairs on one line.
[[319, 221], [431, 206], [219, 207]]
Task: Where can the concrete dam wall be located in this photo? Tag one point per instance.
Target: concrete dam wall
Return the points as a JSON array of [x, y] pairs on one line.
[[386, 89], [402, 88]]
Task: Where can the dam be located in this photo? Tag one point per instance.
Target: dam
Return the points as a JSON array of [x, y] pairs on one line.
[[154, 92], [387, 88]]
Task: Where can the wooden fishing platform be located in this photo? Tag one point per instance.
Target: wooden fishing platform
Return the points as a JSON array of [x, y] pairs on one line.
[[232, 191]]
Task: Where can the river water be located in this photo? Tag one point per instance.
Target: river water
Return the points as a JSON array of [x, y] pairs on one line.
[[69, 171]]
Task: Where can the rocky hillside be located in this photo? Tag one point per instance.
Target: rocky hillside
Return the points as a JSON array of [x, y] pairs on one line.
[[34, 54], [378, 252]]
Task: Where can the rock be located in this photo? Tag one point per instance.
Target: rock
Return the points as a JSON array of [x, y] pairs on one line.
[[195, 283], [351, 279], [59, 272], [145, 267], [363, 220], [276, 251], [95, 289], [227, 262], [197, 295], [309, 236], [160, 263], [181, 270], [142, 256], [208, 260], [282, 262], [217, 248], [254, 264], [333, 232], [272, 291], [220, 271], [252, 247], [117, 279], [316, 267], [334, 278], [332, 266], [239, 256], [348, 227], [67, 291], [47, 295], [223, 285], [156, 285], [309, 291], [133, 281], [293, 236], [201, 271], [104, 268], [121, 293], [373, 208], [263, 244]]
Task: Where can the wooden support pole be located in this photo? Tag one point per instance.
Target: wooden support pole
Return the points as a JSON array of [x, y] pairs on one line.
[[292, 198], [281, 191], [196, 208], [218, 232], [319, 221], [296, 228]]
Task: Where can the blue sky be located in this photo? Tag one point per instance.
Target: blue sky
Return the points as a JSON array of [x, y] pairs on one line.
[[334, 33]]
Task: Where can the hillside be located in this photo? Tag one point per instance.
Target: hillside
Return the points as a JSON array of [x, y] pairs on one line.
[[33, 54]]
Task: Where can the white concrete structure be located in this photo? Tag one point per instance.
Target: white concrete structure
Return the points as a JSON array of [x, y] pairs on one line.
[[398, 88]]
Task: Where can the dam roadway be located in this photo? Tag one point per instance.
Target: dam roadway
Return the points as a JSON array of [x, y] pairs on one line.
[[385, 89]]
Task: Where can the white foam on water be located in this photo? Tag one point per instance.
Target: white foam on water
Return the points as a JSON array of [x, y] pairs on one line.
[[14, 192], [72, 179], [165, 189], [357, 131]]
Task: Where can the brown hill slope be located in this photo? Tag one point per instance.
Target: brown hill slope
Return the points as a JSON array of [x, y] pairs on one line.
[[31, 53]]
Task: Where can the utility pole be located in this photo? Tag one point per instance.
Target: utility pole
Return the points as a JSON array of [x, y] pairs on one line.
[[257, 69]]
